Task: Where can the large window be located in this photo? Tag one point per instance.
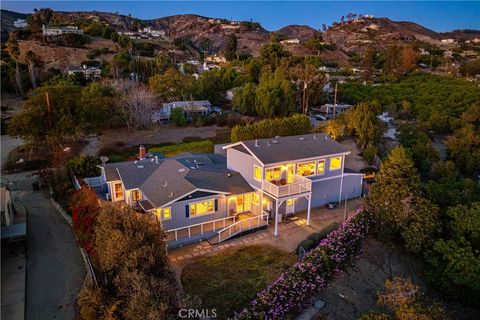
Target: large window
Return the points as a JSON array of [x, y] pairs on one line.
[[257, 173], [321, 167], [335, 163], [118, 190], [273, 173], [202, 208], [306, 169], [256, 198], [167, 214]]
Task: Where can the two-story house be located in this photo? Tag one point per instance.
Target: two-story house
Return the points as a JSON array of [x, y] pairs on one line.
[[197, 196]]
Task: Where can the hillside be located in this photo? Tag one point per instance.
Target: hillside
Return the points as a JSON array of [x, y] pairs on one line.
[[301, 32], [6, 21], [358, 34]]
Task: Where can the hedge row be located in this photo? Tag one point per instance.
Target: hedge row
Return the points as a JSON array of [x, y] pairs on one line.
[[269, 128], [204, 146], [295, 288]]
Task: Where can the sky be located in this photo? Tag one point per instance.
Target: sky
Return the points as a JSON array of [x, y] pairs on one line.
[[436, 15]]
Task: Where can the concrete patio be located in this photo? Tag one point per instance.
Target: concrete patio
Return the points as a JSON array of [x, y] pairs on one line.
[[290, 234]]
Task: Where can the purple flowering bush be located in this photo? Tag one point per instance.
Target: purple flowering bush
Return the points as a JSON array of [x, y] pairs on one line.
[[293, 289]]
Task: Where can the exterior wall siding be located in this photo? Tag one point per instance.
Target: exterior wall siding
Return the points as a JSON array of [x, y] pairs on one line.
[[243, 163]]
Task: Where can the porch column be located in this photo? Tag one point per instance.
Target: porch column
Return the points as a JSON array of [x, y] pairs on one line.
[[275, 233], [341, 181], [308, 210]]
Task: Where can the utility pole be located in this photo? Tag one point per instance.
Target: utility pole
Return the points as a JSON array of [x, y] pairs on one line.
[[335, 101]]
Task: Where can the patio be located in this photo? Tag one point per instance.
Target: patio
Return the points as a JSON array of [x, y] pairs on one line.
[[290, 234]]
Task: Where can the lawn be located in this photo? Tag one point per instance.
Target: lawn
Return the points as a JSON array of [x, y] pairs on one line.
[[229, 280]]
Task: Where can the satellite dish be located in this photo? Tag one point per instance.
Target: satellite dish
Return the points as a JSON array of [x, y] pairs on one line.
[[104, 159]]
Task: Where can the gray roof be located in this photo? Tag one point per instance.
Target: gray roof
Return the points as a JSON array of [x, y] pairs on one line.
[[165, 180], [111, 174], [292, 148]]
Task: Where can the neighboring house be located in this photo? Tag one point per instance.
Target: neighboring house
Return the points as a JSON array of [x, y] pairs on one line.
[[334, 109], [267, 178], [216, 58], [190, 108], [149, 33], [448, 41], [59, 30], [91, 72], [20, 23], [290, 41], [232, 92]]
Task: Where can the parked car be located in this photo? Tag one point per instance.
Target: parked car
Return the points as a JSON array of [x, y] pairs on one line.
[[331, 205], [320, 117], [215, 110]]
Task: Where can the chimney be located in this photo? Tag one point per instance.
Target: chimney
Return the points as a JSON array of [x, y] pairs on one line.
[[142, 154], [256, 143]]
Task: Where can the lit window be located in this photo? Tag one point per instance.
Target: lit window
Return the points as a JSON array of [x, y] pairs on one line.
[[201, 208], [256, 198], [118, 190], [290, 173], [335, 163], [273, 174], [136, 195], [290, 202], [167, 214], [321, 167], [257, 173], [306, 169]]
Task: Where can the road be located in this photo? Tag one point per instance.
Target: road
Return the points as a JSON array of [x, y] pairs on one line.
[[7, 145], [55, 269]]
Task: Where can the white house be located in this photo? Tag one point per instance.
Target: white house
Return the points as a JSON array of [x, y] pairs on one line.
[[197, 107], [20, 23], [90, 72], [290, 41], [57, 31]]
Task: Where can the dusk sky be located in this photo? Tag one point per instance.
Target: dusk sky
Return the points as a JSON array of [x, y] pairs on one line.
[[436, 15]]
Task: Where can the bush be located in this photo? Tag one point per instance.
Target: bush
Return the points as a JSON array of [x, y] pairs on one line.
[[204, 146], [369, 154], [306, 245], [269, 128], [316, 237], [84, 166], [178, 117]]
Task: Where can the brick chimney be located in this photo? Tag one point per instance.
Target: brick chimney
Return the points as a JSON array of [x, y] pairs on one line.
[[142, 154]]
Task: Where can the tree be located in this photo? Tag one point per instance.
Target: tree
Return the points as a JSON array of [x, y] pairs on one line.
[[84, 166], [39, 18], [131, 254], [13, 50], [97, 105], [231, 47], [470, 68], [33, 61], [212, 85], [244, 100], [85, 208], [272, 53], [398, 61], [178, 117], [368, 64], [455, 260], [137, 107], [172, 85], [274, 95], [398, 206], [311, 83], [365, 123]]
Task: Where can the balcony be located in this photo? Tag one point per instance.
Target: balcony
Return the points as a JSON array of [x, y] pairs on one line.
[[297, 186]]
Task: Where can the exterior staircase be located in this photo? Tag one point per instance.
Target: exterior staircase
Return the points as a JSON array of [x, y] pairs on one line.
[[240, 227]]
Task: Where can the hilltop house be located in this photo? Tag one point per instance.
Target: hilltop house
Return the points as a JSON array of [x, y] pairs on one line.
[[198, 196], [190, 108], [58, 30], [91, 72], [290, 41], [20, 23]]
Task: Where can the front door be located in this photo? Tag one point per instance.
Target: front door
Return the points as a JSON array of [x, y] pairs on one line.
[[240, 203], [290, 206], [244, 203]]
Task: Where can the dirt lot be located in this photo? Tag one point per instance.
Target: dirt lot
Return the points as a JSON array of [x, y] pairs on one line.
[[354, 291], [157, 135]]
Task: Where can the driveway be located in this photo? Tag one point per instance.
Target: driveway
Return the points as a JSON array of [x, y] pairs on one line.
[[8, 144], [55, 269]]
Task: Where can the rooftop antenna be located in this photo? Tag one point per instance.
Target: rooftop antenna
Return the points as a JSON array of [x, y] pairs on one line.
[[104, 160]]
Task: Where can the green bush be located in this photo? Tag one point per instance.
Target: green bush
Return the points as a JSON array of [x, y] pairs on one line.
[[314, 238], [178, 117], [84, 166], [306, 245], [369, 154], [204, 146], [269, 128]]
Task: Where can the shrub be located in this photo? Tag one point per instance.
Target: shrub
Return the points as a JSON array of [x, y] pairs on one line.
[[178, 117], [85, 207], [316, 237], [204, 146], [84, 166], [269, 128], [293, 290], [369, 154], [306, 245]]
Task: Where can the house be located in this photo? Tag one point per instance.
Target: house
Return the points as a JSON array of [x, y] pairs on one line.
[[232, 92], [190, 108], [290, 41], [197, 196], [59, 30], [216, 59], [334, 109], [20, 23], [447, 41], [90, 72]]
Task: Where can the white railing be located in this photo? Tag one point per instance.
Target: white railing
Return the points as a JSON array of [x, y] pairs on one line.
[[299, 185], [94, 181], [215, 224], [242, 225]]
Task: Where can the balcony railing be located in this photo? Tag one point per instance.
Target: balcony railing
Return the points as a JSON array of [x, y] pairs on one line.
[[297, 186]]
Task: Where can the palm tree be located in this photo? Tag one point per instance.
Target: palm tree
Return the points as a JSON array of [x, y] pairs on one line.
[[14, 51], [31, 58]]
